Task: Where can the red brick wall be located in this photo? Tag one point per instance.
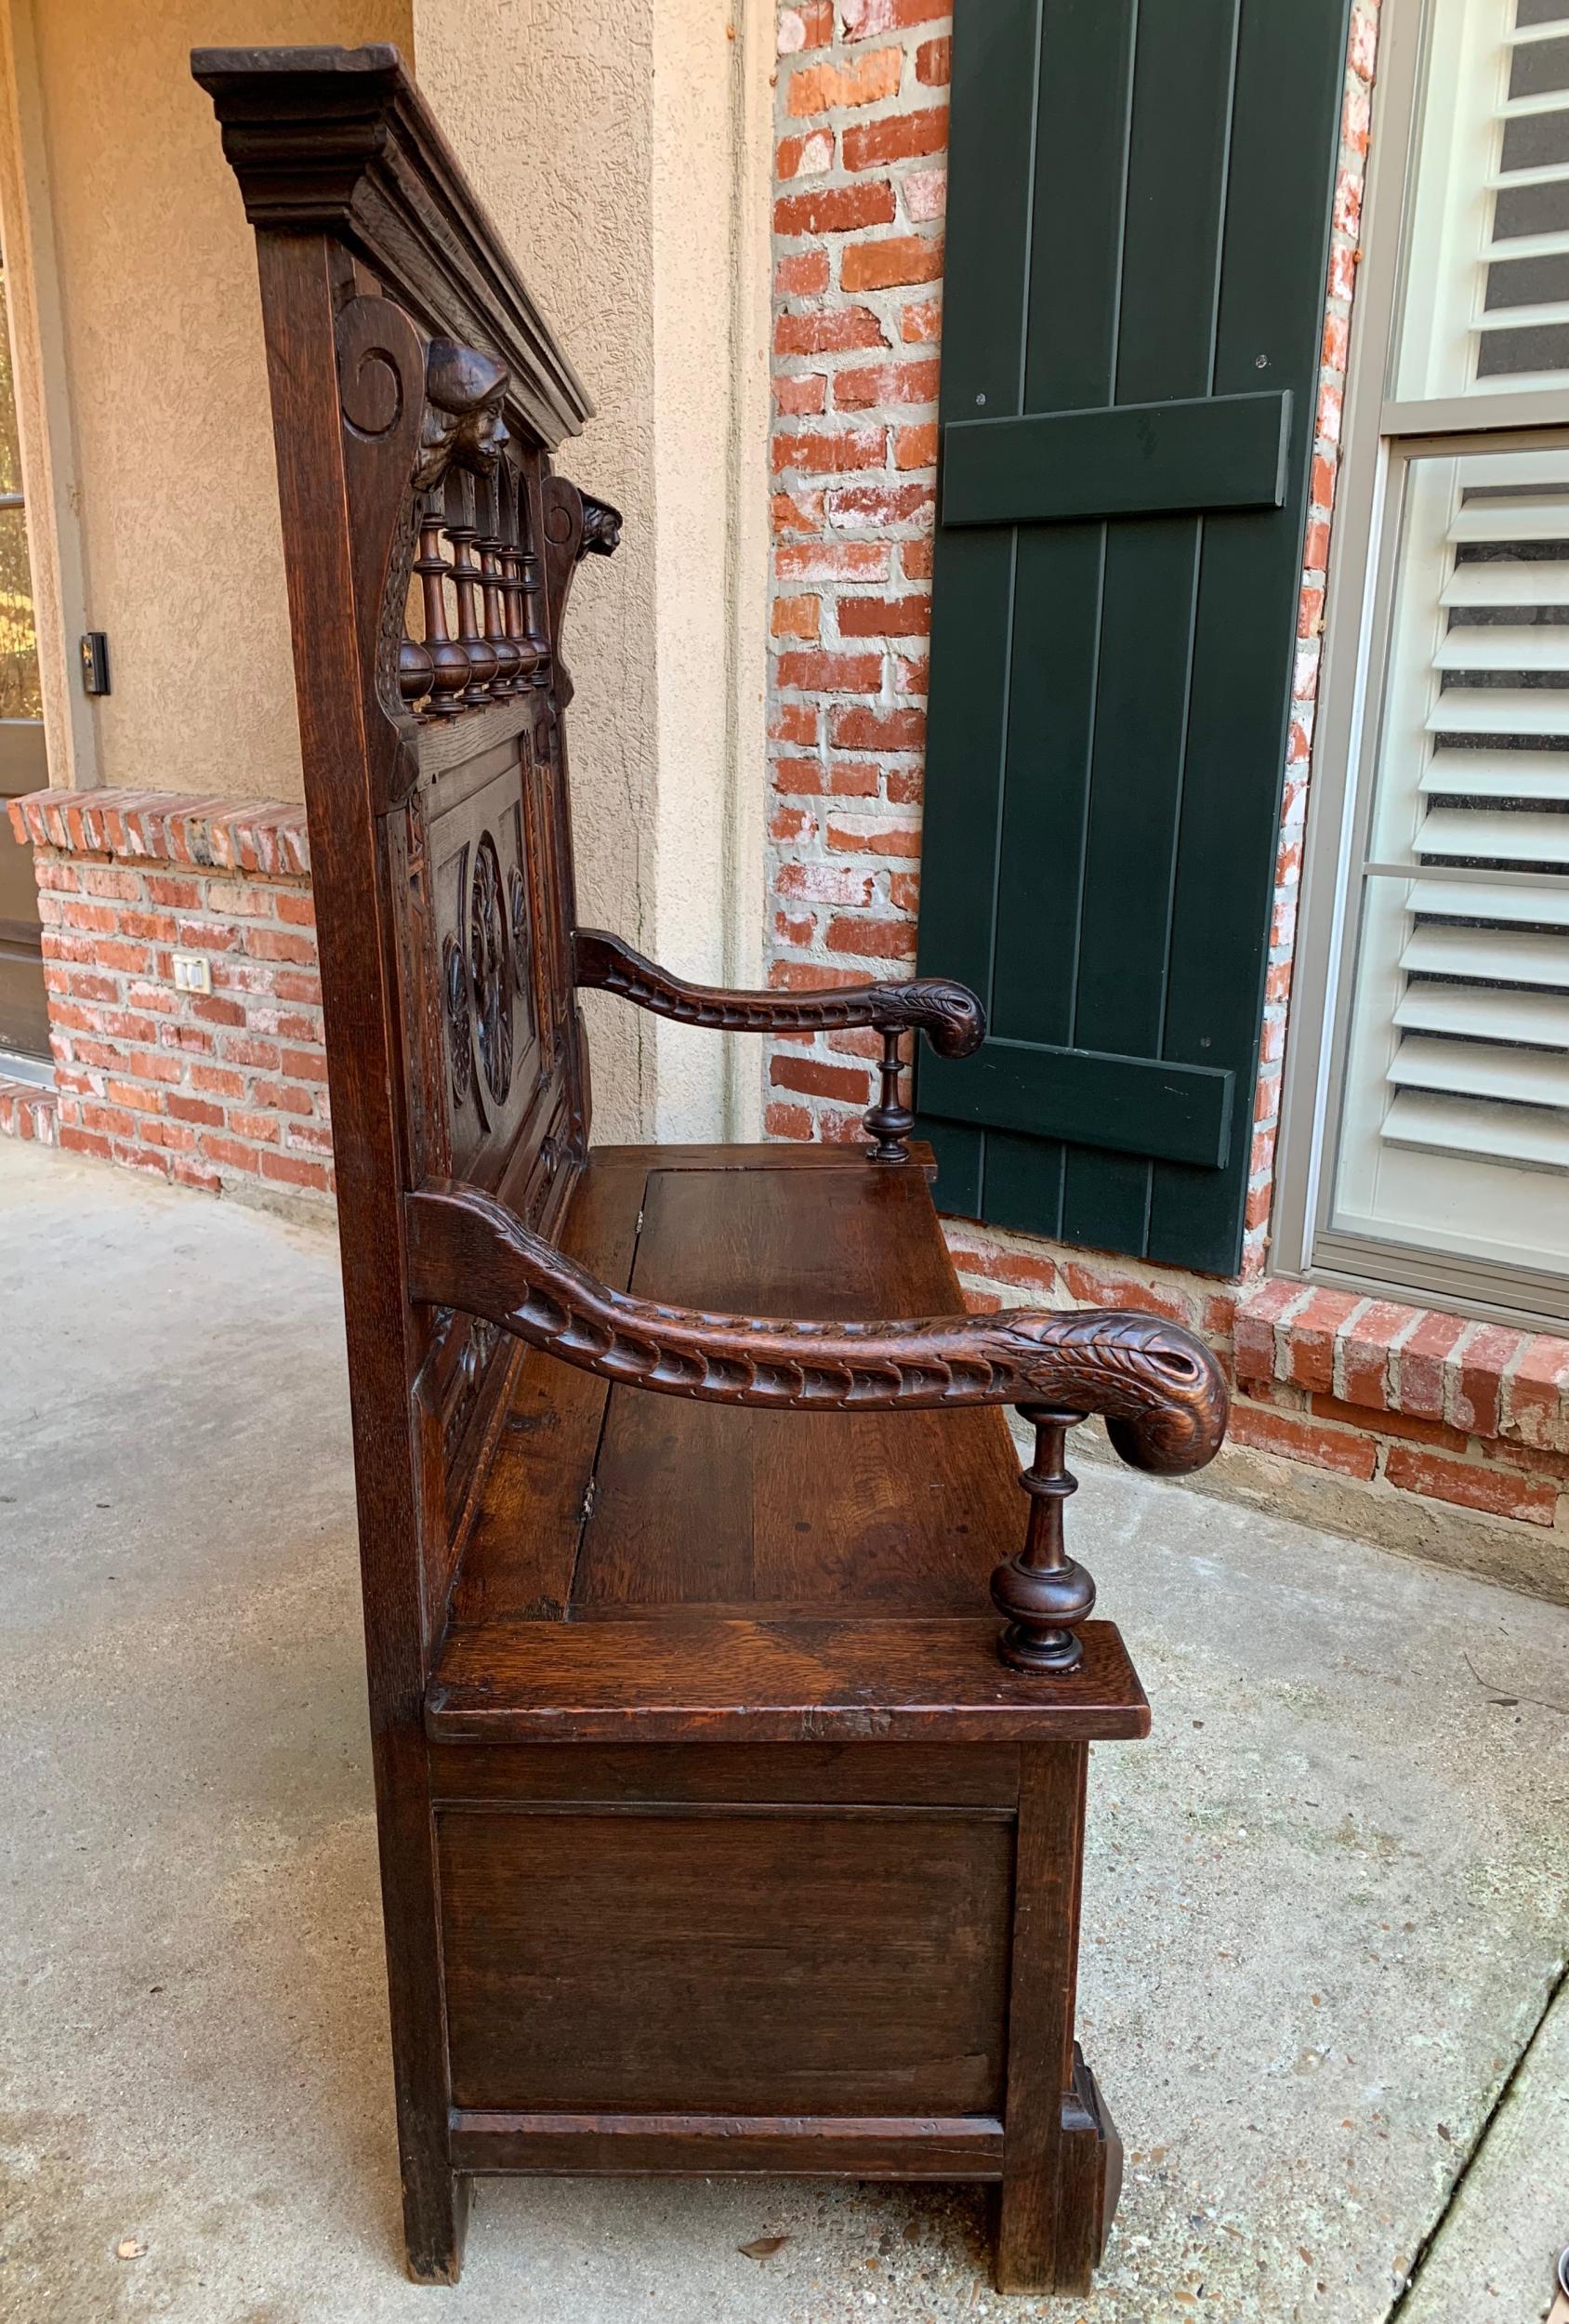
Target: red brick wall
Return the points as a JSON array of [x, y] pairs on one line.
[[1454, 1411], [225, 1089], [858, 240]]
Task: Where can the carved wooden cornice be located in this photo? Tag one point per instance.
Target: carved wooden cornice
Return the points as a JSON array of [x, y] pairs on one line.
[[340, 141]]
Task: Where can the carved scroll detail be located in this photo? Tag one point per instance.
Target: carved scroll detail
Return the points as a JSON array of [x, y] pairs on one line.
[[948, 1013], [1160, 1388]]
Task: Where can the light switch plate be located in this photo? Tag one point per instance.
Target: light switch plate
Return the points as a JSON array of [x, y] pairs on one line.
[[192, 973]]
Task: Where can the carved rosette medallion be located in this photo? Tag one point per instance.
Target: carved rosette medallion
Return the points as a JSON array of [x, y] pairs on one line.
[[479, 979]]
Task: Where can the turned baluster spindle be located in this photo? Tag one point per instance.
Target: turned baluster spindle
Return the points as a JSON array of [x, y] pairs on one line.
[[512, 585], [890, 1122], [449, 664], [512, 605], [416, 670], [491, 547], [537, 645], [1043, 1593], [462, 531]]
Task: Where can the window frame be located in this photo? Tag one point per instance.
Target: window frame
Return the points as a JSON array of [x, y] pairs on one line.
[[1380, 435]]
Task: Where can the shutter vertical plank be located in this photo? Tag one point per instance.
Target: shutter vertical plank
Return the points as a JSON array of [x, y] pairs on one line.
[[1119, 890], [1181, 123], [1273, 265], [994, 145], [1072, 300]]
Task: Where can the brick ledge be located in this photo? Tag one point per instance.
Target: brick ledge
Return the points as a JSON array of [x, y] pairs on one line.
[[1481, 1379], [265, 837], [27, 1110]]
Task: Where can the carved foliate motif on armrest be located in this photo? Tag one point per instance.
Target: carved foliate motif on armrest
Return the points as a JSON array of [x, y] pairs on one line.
[[948, 1013], [1159, 1387]]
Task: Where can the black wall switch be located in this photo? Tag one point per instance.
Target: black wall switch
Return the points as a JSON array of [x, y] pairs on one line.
[[95, 662]]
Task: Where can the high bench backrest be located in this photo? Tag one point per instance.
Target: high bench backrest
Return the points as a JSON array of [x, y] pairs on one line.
[[417, 396]]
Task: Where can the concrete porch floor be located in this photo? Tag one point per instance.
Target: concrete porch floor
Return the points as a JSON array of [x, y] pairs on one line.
[[1326, 1908]]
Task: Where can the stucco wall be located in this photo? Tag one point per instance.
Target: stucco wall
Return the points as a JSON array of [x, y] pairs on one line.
[[176, 488], [624, 155]]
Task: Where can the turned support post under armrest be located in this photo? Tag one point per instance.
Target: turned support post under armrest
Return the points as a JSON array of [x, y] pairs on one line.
[[1043, 1593]]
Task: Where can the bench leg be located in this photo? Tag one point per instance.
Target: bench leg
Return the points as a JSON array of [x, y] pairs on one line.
[[1062, 2157], [435, 2196], [435, 2215]]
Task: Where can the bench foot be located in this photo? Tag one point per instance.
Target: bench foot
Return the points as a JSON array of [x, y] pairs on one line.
[[1050, 2235], [435, 2219]]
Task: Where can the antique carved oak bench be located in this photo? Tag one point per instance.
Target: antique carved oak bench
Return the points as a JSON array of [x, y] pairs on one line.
[[721, 1830]]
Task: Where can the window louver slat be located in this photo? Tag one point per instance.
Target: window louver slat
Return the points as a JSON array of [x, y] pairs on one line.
[[1478, 645], [1529, 775], [1470, 835], [1481, 1069], [1544, 908], [1500, 710], [1510, 580], [1497, 521], [1480, 1064], [1501, 957], [1534, 1138], [1485, 1012]]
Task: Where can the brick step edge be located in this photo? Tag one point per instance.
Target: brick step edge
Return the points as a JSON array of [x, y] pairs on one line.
[[1476, 1377], [26, 1111], [265, 837]]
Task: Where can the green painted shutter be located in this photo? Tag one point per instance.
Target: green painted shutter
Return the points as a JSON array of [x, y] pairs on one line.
[[1138, 235]]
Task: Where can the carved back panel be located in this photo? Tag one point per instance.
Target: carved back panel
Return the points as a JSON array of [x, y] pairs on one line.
[[417, 398]]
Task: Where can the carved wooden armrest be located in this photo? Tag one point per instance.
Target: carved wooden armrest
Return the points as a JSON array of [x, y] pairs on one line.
[[948, 1013], [1160, 1389]]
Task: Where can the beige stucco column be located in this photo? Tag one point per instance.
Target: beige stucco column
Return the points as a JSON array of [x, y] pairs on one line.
[[623, 152], [141, 390]]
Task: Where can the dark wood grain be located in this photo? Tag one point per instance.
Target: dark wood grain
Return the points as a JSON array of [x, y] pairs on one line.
[[910, 1775], [1160, 1388], [1031, 2230], [776, 2146], [885, 1928], [521, 1550], [682, 1679], [327, 574], [786, 1156], [700, 1503], [1090, 2182], [949, 1015], [713, 1834]]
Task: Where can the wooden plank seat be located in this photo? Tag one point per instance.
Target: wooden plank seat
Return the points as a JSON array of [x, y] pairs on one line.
[[789, 1542], [722, 1827]]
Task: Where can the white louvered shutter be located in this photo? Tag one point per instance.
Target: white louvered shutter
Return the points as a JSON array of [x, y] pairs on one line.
[[1456, 1107], [1486, 302], [1439, 1162]]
